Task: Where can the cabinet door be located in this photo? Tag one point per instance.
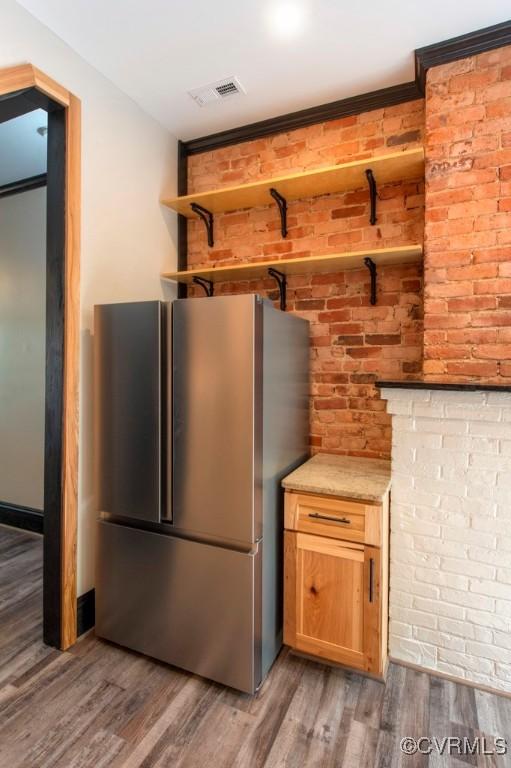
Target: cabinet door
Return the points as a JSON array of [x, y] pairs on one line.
[[332, 600]]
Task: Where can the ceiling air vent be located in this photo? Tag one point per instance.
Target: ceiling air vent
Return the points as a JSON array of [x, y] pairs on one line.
[[222, 89]]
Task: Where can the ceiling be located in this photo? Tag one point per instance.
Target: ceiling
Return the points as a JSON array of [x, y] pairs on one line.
[[288, 54], [22, 148]]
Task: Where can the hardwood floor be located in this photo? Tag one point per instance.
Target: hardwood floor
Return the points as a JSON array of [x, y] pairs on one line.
[[98, 705]]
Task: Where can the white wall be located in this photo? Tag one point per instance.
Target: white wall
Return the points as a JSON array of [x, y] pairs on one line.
[[450, 574], [128, 162], [22, 347]]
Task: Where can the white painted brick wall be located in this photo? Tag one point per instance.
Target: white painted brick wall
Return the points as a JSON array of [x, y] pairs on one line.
[[450, 556]]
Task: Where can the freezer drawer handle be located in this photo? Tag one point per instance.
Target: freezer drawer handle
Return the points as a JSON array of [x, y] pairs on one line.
[[343, 520]]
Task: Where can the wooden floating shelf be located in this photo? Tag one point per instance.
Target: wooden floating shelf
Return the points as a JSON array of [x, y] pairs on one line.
[[337, 262], [397, 166]]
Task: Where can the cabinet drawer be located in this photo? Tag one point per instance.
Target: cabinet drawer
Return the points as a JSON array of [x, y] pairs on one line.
[[332, 517]]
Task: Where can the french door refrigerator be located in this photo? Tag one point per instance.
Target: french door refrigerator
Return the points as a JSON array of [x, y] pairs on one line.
[[201, 407]]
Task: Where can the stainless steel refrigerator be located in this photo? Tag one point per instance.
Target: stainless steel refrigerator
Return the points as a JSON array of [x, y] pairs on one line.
[[201, 407]]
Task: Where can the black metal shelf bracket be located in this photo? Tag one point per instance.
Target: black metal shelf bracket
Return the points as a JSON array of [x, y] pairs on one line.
[[282, 203], [207, 218], [372, 194], [371, 266], [206, 284], [282, 283]]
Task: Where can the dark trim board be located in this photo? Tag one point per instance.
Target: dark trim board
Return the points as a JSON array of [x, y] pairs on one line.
[[13, 104], [86, 612], [54, 400], [182, 223], [447, 386], [459, 48], [27, 518], [429, 56], [19, 103], [354, 105], [23, 185]]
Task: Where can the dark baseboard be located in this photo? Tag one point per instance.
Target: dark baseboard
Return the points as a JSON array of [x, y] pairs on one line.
[[86, 612], [27, 518]]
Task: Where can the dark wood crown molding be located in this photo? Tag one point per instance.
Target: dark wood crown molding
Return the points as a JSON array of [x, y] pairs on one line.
[[354, 105], [459, 47], [429, 56]]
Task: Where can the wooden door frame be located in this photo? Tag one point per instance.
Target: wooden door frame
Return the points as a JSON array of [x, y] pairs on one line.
[[22, 89]]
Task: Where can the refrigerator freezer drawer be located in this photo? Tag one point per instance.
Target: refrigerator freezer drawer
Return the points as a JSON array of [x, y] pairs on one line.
[[187, 603]]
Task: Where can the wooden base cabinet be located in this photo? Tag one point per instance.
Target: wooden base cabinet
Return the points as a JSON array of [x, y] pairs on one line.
[[333, 602]]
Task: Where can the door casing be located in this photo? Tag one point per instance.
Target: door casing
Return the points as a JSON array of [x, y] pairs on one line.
[[22, 89]]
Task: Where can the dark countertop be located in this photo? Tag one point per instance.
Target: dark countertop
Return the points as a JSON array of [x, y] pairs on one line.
[[417, 383]]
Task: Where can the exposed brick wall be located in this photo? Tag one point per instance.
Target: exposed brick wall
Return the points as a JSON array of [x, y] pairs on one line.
[[468, 219], [352, 343], [450, 580]]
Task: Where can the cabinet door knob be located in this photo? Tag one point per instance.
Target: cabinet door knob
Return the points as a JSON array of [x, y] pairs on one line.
[[343, 520]]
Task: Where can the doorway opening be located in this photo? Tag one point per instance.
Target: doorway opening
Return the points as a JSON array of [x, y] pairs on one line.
[[26, 92], [23, 158]]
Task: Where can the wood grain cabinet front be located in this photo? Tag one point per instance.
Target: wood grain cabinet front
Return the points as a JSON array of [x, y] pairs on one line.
[[334, 595], [344, 519]]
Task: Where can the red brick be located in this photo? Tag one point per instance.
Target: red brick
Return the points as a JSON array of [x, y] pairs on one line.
[[492, 254], [446, 289], [330, 403], [471, 303], [472, 369], [473, 80], [383, 339], [493, 351], [449, 352], [343, 362], [472, 336], [472, 272], [347, 211], [492, 319], [413, 366], [348, 340], [275, 248], [358, 352], [497, 287]]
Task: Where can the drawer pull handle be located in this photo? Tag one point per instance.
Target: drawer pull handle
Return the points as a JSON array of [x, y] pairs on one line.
[[371, 579], [343, 520]]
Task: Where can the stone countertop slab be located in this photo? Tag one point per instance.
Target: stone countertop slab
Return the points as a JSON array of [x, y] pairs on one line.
[[346, 476]]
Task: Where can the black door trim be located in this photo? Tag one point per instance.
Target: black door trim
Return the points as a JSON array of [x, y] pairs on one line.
[[12, 105]]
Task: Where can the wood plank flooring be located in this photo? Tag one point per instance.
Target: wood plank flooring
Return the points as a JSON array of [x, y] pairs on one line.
[[98, 705]]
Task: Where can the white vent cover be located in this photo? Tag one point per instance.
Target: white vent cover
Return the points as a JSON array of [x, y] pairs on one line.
[[222, 89]]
